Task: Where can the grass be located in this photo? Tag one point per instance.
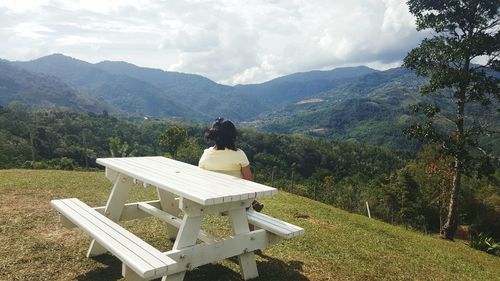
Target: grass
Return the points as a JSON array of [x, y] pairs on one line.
[[336, 246]]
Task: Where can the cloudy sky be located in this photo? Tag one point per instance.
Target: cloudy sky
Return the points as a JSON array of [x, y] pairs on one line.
[[228, 41]]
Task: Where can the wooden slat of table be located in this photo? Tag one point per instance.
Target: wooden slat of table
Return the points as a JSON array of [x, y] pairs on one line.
[[221, 184], [219, 178], [226, 193], [191, 182], [165, 181]]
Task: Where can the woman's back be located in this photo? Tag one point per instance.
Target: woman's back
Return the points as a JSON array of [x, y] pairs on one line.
[[225, 161]]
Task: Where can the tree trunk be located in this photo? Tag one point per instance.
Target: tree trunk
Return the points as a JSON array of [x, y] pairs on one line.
[[450, 226], [32, 143]]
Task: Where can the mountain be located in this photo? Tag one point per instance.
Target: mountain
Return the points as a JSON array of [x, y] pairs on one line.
[[372, 109], [297, 86], [42, 91], [155, 92], [125, 93]]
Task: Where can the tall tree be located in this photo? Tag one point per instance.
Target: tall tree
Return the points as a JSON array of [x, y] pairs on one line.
[[172, 139], [464, 31]]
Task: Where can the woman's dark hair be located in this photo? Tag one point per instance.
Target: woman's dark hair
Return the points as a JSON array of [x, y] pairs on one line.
[[223, 132]]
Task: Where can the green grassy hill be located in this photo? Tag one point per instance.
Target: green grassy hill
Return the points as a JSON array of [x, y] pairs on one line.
[[336, 246]]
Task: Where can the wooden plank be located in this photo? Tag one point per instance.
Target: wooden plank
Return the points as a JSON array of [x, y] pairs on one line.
[[188, 233], [114, 206], [274, 225], [169, 203], [232, 190], [193, 208], [137, 254], [152, 178], [131, 211], [205, 253], [218, 194], [109, 226], [208, 176], [247, 262], [118, 249], [225, 183], [171, 219], [204, 187]]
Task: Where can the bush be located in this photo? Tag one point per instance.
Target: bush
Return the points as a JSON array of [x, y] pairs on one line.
[[67, 163], [39, 165], [27, 165], [485, 243]]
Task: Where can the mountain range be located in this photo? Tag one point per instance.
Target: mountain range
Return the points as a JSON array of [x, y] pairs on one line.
[[132, 89], [358, 104]]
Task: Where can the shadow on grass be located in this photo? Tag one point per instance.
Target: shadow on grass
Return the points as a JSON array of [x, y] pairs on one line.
[[111, 271], [269, 269]]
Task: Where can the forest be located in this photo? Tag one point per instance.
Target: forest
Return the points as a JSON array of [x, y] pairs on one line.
[[400, 187]]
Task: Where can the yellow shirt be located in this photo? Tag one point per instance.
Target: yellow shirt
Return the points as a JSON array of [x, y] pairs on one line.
[[224, 161]]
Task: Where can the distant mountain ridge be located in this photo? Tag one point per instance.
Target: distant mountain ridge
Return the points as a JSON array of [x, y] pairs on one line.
[[43, 91], [155, 92], [291, 88]]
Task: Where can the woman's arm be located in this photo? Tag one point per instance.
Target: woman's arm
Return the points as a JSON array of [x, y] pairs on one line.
[[246, 173]]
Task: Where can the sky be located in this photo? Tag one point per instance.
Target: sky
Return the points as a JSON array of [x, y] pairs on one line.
[[229, 41]]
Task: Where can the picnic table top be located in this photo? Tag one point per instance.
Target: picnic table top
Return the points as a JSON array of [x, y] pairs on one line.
[[186, 180]]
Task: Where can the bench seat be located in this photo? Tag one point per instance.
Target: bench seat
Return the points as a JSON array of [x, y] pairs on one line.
[[142, 258], [274, 225]]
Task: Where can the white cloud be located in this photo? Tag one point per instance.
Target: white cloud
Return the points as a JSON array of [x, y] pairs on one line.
[[225, 40], [31, 30]]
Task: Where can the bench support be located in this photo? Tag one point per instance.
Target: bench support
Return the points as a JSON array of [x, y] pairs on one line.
[[114, 207], [169, 205], [248, 265], [188, 234]]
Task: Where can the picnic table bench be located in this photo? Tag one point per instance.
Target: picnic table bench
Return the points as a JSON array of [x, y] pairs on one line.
[[186, 194]]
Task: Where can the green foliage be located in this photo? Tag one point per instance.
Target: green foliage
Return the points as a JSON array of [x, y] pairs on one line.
[[117, 148], [342, 174], [39, 165], [172, 139], [465, 30], [484, 243]]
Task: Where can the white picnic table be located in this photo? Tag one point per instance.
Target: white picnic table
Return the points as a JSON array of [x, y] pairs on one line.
[[186, 194]]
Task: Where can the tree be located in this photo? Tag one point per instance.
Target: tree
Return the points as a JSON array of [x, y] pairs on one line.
[[173, 137], [465, 30], [119, 149]]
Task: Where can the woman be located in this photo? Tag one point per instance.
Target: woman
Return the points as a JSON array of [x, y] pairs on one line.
[[224, 157]]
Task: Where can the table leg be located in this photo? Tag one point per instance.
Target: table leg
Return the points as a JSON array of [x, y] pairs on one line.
[[114, 207], [171, 206], [187, 236], [248, 265]]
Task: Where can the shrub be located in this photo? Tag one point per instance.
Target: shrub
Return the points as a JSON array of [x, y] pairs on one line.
[[485, 243], [27, 165], [67, 163], [39, 165]]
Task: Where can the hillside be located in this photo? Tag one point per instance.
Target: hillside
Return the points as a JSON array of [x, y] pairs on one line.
[[42, 91], [336, 246], [290, 88], [372, 109]]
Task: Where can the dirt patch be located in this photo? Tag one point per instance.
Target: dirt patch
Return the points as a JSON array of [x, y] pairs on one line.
[[16, 202], [322, 223], [310, 101], [57, 234]]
